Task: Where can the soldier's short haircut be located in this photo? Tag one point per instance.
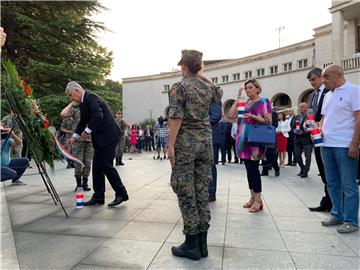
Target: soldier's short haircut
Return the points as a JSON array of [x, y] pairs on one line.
[[73, 85], [315, 71]]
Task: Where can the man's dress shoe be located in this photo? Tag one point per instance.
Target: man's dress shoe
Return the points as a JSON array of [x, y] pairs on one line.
[[94, 201], [319, 209], [118, 200]]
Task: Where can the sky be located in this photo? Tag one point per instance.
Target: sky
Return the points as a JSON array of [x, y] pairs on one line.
[[147, 36]]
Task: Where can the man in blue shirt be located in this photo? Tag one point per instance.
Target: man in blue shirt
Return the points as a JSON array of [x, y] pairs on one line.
[[14, 168], [215, 115]]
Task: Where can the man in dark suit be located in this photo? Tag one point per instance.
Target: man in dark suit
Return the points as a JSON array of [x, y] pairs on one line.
[[303, 141], [97, 119], [315, 104], [271, 153]]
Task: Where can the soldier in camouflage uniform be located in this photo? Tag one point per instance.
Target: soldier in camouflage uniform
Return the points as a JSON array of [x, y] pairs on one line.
[[83, 150], [67, 128], [8, 122], [119, 151], [190, 152]]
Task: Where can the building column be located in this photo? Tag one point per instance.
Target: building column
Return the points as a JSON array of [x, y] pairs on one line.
[[337, 37], [350, 39]]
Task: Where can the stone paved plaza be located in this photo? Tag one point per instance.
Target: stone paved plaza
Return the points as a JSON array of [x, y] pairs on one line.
[[139, 233]]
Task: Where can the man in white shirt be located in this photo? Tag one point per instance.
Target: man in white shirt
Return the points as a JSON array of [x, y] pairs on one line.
[[290, 146], [341, 135]]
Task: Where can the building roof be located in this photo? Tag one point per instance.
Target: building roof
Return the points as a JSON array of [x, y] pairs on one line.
[[217, 64]]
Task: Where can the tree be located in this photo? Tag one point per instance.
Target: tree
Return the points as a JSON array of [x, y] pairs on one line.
[[53, 42], [114, 86]]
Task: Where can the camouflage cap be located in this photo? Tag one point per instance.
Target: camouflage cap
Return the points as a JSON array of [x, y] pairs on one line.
[[189, 55]]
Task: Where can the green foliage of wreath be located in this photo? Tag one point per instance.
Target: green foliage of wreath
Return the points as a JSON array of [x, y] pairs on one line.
[[32, 121]]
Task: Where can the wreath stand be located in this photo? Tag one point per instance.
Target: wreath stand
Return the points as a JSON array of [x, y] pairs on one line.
[[40, 165]]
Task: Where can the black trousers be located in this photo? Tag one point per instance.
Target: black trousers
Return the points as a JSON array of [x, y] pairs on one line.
[[325, 201], [271, 160], [253, 174], [228, 147], [216, 148], [234, 149], [307, 149], [290, 146], [147, 143], [103, 166]]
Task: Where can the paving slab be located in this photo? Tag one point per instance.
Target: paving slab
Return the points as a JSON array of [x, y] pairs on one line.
[[139, 234], [124, 254], [236, 258], [51, 251]]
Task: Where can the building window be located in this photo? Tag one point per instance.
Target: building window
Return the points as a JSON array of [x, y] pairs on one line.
[[260, 72], [248, 74], [214, 80], [225, 78], [166, 87], [287, 67], [236, 77], [273, 69], [302, 63]]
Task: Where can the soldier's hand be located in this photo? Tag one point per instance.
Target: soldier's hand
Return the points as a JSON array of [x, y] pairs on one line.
[[84, 135], [171, 155], [70, 141]]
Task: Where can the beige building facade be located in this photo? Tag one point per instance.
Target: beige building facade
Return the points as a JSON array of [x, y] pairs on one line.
[[282, 72]]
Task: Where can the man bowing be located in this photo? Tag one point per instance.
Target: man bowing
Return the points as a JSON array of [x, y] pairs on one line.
[[97, 120]]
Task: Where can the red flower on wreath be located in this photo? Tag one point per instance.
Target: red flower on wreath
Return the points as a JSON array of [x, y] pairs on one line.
[[27, 90], [46, 123], [26, 87]]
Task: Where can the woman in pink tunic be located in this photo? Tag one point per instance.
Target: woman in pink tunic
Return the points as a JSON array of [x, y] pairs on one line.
[[257, 111]]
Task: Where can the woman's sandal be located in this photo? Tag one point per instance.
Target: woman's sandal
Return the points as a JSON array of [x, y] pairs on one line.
[[256, 207], [249, 203]]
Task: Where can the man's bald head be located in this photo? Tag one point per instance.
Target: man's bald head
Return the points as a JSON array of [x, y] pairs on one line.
[[333, 76], [303, 107]]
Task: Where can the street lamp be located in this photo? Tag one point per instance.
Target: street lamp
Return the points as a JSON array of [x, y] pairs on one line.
[[279, 29]]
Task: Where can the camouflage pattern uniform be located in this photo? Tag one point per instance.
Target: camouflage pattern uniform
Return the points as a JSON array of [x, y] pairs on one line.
[[15, 150], [190, 101], [82, 149], [68, 124], [119, 151]]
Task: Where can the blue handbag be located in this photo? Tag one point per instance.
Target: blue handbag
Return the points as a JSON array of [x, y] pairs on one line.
[[262, 135]]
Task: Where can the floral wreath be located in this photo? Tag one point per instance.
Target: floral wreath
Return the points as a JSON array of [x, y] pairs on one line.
[[40, 136]]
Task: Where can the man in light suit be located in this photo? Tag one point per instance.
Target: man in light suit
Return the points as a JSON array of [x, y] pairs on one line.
[[315, 104], [97, 120]]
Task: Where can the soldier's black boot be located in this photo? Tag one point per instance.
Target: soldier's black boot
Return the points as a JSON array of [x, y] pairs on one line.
[[78, 183], [203, 244], [189, 249], [85, 184], [117, 163], [68, 164]]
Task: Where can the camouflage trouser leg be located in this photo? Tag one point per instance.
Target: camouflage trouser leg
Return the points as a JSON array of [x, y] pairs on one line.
[[83, 151], [190, 180], [119, 151]]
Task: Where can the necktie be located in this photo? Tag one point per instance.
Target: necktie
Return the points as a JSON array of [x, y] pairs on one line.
[[315, 101]]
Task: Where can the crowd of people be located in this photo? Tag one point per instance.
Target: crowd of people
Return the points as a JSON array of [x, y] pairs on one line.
[[196, 127]]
